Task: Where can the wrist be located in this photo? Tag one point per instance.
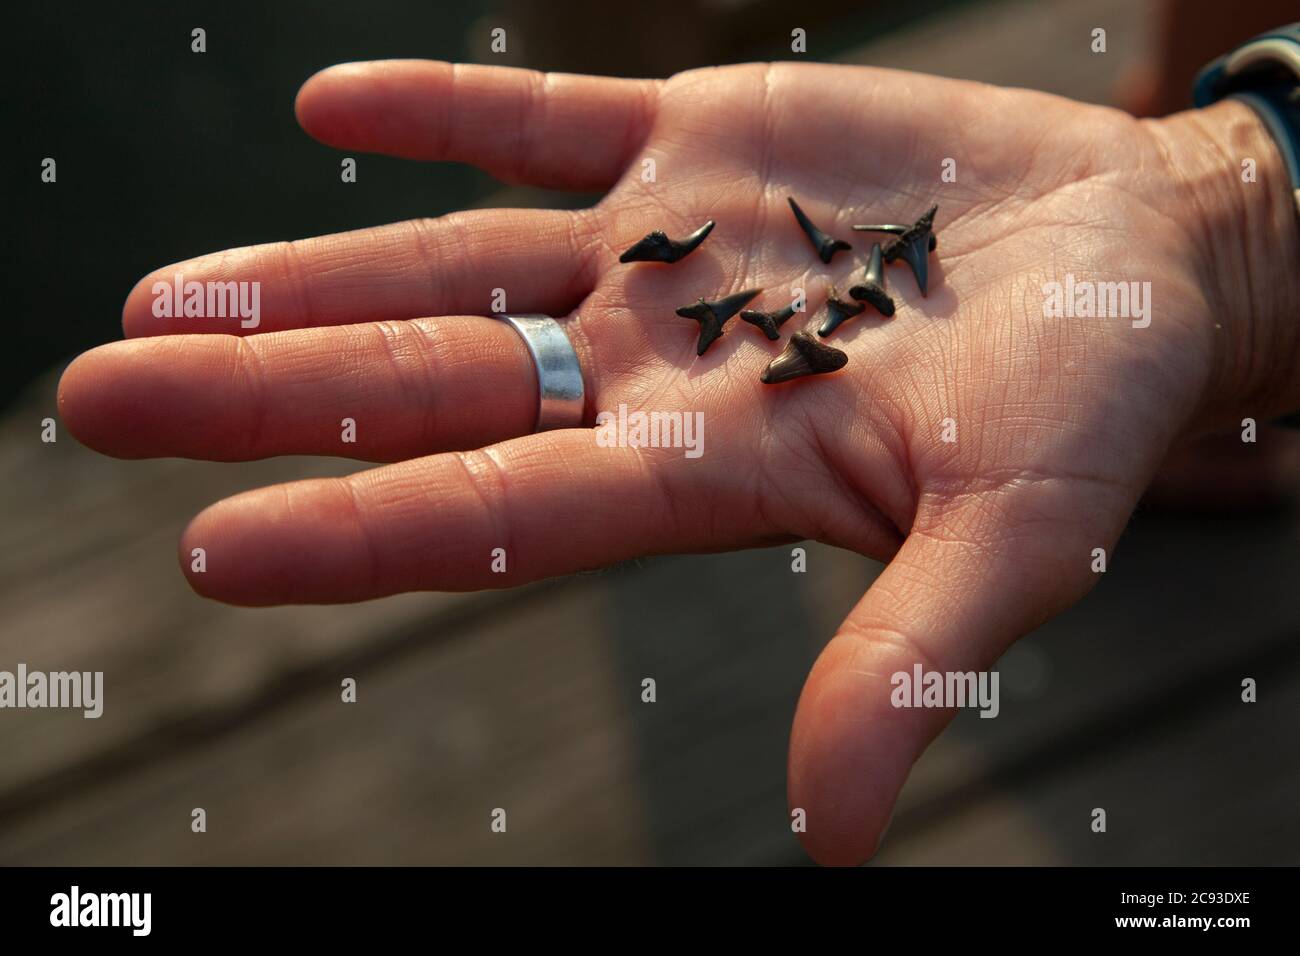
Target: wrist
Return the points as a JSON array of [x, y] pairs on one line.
[[1246, 234]]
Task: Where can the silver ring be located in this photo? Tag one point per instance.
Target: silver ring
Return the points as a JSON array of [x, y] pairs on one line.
[[560, 394]]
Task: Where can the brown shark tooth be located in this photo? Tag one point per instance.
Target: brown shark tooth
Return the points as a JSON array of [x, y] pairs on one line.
[[803, 355], [837, 311], [769, 322], [657, 247], [825, 245], [712, 316], [872, 287]]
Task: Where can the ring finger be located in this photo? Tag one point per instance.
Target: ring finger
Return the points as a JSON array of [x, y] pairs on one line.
[[382, 391]]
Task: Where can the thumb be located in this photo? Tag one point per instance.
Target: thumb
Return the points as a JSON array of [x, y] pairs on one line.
[[968, 581]]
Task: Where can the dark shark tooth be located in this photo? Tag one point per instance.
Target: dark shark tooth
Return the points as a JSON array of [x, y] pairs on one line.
[[769, 322], [911, 244], [872, 287], [712, 316], [657, 247], [915, 254], [825, 245], [837, 311], [710, 327], [803, 355]]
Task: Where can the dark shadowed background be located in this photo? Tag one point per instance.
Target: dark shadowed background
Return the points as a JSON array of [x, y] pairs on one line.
[[530, 700]]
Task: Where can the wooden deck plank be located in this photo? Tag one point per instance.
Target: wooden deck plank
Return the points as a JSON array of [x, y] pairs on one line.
[[89, 582], [517, 714], [1214, 789], [538, 709]]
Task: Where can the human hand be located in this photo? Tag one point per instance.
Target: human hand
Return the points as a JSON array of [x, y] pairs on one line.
[[1060, 422]]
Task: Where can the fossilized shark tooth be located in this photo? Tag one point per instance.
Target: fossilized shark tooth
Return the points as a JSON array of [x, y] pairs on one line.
[[912, 244], [837, 311], [657, 247], [803, 355], [825, 245], [712, 316], [872, 287], [769, 322]]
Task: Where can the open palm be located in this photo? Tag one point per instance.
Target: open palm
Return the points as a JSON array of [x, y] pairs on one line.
[[1059, 423]]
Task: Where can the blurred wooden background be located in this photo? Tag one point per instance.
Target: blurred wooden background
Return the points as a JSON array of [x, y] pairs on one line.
[[530, 700]]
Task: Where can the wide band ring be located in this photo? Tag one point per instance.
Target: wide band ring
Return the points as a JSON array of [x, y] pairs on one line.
[[560, 394]]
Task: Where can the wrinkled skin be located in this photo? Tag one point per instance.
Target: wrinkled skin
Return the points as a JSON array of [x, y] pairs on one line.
[[1060, 423]]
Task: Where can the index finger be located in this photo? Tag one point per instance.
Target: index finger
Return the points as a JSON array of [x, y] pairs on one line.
[[557, 130]]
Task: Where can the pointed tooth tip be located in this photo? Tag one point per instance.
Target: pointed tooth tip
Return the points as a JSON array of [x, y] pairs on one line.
[[696, 238], [634, 253], [706, 341]]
